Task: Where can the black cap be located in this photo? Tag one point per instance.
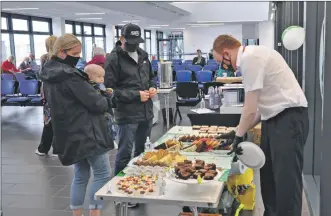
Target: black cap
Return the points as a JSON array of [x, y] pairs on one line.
[[132, 34]]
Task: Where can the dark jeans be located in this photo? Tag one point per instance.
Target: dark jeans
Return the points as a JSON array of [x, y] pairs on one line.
[[46, 139], [283, 140], [128, 135]]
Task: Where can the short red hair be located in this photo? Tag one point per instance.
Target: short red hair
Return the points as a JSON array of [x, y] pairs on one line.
[[225, 42]]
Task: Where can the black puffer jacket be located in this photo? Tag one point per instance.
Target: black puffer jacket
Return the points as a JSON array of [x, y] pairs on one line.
[[79, 124], [127, 78]]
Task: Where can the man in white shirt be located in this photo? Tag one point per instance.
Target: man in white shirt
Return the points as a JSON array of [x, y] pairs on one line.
[[273, 95]]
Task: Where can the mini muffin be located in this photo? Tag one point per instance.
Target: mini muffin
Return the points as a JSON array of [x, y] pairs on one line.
[[208, 177], [187, 162], [184, 175], [198, 166], [211, 172], [197, 174]]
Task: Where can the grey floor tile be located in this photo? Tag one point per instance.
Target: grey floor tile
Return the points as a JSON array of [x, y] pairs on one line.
[[13, 169], [33, 189], [40, 202], [17, 178]]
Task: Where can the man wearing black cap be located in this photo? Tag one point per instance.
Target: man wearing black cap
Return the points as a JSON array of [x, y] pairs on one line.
[[129, 73]]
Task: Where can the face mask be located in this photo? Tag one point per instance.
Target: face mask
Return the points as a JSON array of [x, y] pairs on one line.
[[225, 66], [71, 60], [131, 47]]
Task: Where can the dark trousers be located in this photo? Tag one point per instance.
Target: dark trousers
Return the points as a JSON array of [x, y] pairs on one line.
[[128, 135], [46, 139], [283, 140]]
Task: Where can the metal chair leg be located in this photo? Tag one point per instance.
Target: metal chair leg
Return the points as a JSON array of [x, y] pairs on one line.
[[180, 115]]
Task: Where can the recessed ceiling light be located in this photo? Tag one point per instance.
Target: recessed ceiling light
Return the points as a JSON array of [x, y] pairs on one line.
[[209, 22], [12, 9], [178, 28], [159, 25], [130, 21], [154, 27], [205, 24], [98, 18], [121, 24], [200, 26], [80, 14]]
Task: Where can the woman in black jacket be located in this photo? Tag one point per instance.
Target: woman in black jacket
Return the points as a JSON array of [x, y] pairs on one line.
[[80, 127]]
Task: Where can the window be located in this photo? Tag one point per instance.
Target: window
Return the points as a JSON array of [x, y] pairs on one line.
[[22, 47], [20, 24], [117, 33], [78, 29], [89, 35], [98, 31], [99, 42], [40, 26], [68, 29], [87, 30], [5, 46], [26, 35], [88, 48], [39, 46], [4, 23], [148, 46]]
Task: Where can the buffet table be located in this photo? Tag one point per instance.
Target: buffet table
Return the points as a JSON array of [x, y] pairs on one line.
[[204, 194]]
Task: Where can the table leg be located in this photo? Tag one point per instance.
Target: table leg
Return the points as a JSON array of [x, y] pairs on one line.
[[194, 211], [166, 104], [124, 209]]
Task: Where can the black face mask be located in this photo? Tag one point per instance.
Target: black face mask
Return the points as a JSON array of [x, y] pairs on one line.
[[71, 60], [225, 66], [131, 47]]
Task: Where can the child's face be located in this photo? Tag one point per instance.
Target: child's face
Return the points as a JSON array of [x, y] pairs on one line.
[[97, 76]]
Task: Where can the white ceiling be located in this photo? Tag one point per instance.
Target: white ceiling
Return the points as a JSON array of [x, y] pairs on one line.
[[174, 14]]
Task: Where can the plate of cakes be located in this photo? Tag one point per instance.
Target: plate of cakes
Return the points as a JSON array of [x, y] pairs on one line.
[[137, 185], [194, 172]]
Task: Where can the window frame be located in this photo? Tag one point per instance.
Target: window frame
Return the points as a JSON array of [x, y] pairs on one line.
[[29, 31], [83, 35]]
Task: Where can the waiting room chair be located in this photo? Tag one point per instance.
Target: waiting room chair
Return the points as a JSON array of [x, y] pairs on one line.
[[211, 67], [188, 62], [7, 76], [7, 90], [212, 61], [154, 62], [194, 68], [183, 76], [188, 95], [203, 77], [28, 89], [20, 76], [179, 67], [176, 62]]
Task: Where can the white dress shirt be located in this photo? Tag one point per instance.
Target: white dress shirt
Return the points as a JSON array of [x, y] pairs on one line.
[[266, 70]]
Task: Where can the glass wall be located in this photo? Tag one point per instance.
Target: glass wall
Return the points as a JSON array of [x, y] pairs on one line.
[[89, 34], [22, 35]]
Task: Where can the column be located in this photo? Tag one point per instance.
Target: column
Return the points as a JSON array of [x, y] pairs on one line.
[[58, 26]]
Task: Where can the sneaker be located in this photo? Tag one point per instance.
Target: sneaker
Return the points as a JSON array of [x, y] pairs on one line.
[[55, 155], [39, 153]]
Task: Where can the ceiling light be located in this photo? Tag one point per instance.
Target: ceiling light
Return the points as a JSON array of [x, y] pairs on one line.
[[159, 25], [80, 14], [99, 18], [209, 22], [205, 24], [12, 9], [121, 24], [154, 27], [178, 28], [130, 21], [200, 26]]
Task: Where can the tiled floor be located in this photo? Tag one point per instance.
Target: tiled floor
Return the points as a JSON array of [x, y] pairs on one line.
[[40, 186]]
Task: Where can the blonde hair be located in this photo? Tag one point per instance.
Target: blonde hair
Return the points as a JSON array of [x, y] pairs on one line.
[[49, 43], [225, 42], [65, 42]]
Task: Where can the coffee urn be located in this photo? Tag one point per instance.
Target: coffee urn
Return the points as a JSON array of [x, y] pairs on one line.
[[165, 75]]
